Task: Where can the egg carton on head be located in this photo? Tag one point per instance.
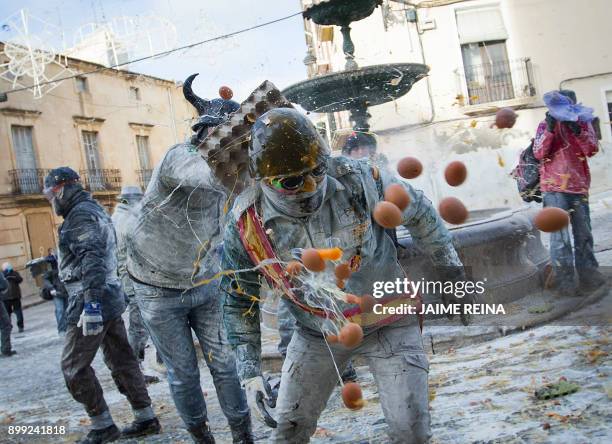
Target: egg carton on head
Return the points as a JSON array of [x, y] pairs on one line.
[[226, 149]]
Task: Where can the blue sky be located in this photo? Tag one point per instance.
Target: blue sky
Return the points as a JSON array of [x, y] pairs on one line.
[[274, 52]]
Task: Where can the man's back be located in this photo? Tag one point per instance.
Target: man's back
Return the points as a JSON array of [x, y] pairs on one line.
[[177, 222]]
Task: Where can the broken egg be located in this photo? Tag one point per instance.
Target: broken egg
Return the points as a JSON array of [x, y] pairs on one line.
[[352, 396], [342, 271], [551, 219], [397, 194], [332, 254], [387, 215], [332, 339], [293, 268], [366, 303]]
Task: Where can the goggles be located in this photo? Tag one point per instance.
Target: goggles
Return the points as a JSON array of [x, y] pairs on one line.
[[51, 192], [294, 183]]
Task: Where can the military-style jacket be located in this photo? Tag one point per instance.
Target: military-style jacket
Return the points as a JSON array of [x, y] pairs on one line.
[[178, 222], [87, 257], [123, 219], [345, 215]]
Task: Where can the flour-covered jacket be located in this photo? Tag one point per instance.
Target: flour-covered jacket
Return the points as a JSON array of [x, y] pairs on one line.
[[351, 194], [123, 219], [177, 223], [88, 259]]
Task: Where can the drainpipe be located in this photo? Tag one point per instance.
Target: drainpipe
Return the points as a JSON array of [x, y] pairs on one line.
[[419, 34], [172, 117], [431, 102], [583, 78]]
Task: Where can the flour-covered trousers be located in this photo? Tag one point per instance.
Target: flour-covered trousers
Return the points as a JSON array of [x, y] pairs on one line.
[[137, 332], [398, 362], [170, 317]]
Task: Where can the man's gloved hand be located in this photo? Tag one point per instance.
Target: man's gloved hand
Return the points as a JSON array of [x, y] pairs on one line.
[[91, 319], [53, 292], [574, 127], [260, 400], [551, 122]]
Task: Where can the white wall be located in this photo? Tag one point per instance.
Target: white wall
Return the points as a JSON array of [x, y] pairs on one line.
[[563, 38]]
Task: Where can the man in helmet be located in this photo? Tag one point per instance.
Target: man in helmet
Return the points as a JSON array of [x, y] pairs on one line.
[[363, 145], [304, 198], [88, 269], [123, 218], [169, 257]]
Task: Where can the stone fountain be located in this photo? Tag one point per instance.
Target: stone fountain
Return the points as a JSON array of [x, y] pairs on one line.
[[500, 246], [354, 89]]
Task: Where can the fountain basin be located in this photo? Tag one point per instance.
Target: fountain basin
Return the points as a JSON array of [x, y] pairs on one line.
[[340, 12], [503, 249], [356, 88]]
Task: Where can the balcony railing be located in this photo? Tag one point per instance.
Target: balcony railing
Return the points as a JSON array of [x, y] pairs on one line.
[[144, 177], [101, 180], [28, 181], [496, 82]]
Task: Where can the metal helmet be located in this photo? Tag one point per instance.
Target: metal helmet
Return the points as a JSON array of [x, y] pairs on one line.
[[283, 143], [357, 139], [130, 193]]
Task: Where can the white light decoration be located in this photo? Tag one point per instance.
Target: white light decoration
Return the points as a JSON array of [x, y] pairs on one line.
[[28, 60]]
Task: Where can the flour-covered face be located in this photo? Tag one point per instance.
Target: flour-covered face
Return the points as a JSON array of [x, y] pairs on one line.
[[54, 195]]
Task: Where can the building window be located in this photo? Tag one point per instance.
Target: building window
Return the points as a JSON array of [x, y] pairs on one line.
[[134, 93], [142, 142], [81, 84], [95, 174], [26, 175], [488, 73]]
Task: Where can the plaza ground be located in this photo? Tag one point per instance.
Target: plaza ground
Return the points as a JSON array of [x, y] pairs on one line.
[[479, 393]]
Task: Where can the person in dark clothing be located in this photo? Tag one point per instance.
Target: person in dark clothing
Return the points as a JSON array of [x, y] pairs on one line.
[[88, 269], [12, 299], [55, 288], [51, 258], [53, 285], [5, 322]]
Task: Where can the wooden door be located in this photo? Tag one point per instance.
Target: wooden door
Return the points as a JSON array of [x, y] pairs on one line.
[[40, 233]]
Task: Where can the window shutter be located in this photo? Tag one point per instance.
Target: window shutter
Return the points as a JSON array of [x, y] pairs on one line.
[[480, 25]]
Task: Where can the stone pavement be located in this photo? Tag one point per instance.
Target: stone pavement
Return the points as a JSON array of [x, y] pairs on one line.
[[482, 392]]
